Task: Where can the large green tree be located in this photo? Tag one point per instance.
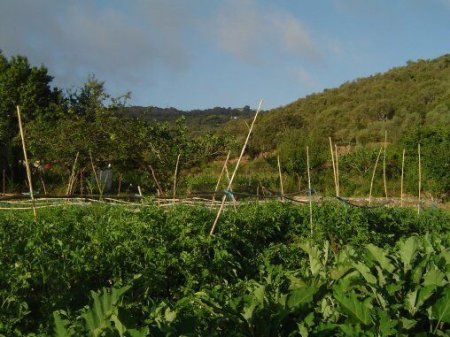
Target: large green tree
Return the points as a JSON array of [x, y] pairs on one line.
[[29, 87]]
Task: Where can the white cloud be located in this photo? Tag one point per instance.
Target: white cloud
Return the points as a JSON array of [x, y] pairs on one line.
[[246, 30], [75, 38]]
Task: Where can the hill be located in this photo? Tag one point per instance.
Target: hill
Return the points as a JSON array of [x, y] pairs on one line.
[[401, 99], [197, 120]]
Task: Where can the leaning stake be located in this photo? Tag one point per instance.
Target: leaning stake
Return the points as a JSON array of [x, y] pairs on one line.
[[100, 190], [309, 191], [334, 166], [420, 180], [281, 179], [373, 175], [338, 187], [220, 178], [175, 178], [401, 180], [230, 183], [27, 165]]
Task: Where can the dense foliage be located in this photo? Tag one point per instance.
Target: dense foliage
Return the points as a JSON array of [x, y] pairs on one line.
[[157, 272]]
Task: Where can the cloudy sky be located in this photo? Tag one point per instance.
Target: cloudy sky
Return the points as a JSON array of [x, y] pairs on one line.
[[205, 53]]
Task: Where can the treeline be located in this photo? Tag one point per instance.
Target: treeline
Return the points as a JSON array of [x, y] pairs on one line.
[[197, 120], [88, 125]]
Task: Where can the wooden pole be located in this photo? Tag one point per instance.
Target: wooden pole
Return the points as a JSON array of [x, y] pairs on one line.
[[373, 175], [27, 164], [72, 174], [43, 184], [175, 177], [309, 192], [420, 179], [384, 165], [211, 232], [120, 185], [334, 166], [220, 178], [401, 179], [100, 190], [82, 182], [281, 179], [158, 186], [338, 190]]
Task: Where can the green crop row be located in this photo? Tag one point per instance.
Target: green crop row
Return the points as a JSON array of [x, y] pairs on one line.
[[171, 278]]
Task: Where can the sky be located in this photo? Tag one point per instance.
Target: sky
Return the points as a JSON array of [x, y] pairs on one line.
[[191, 54]]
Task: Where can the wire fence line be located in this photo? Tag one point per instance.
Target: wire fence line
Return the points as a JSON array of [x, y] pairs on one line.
[[206, 199]]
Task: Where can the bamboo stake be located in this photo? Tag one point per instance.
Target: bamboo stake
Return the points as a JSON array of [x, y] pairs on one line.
[[220, 178], [334, 166], [175, 177], [74, 184], [384, 165], [82, 182], [420, 179], [281, 179], [120, 185], [27, 164], [72, 174], [100, 190], [401, 179], [338, 192], [235, 169], [140, 192], [373, 175], [43, 184], [158, 186], [310, 192], [299, 182]]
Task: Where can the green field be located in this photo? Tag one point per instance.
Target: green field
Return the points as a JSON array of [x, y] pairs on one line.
[[149, 271]]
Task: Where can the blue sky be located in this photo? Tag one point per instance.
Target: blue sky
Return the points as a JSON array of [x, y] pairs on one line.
[[198, 54]]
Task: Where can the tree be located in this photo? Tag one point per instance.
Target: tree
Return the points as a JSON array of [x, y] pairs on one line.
[[29, 87]]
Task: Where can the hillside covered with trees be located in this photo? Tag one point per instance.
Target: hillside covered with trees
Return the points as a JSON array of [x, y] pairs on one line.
[[411, 103], [415, 96]]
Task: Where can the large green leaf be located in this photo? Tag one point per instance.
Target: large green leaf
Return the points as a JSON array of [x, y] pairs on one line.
[[104, 311], [441, 309], [415, 299], [407, 249], [315, 263], [144, 332], [300, 296], [434, 277], [60, 325], [358, 310], [380, 256], [365, 272]]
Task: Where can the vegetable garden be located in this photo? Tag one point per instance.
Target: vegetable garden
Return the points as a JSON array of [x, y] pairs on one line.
[[108, 270]]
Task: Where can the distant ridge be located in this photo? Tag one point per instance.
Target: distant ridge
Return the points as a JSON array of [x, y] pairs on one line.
[[197, 120]]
